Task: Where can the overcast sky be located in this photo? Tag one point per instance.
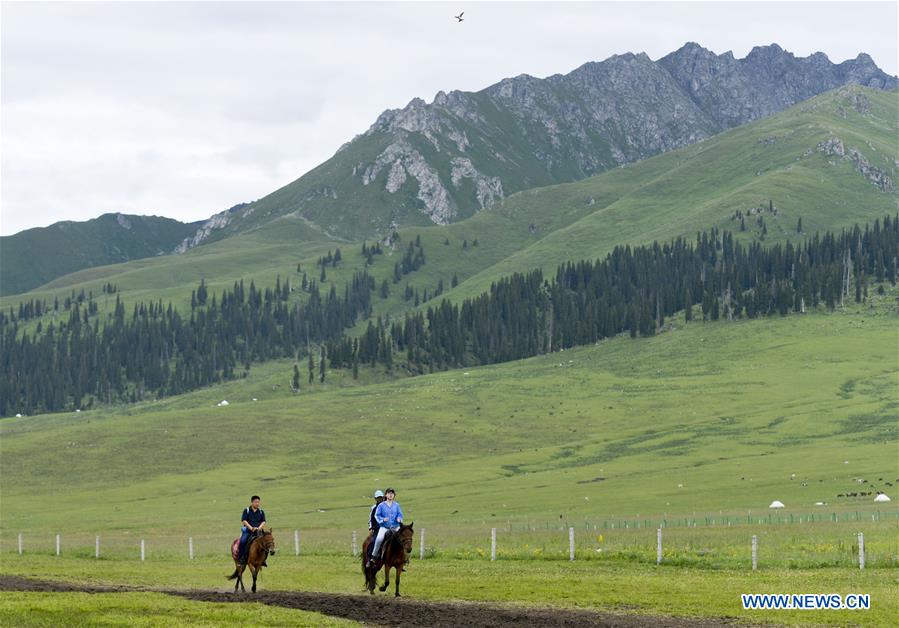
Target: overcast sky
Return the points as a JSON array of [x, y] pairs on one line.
[[183, 110]]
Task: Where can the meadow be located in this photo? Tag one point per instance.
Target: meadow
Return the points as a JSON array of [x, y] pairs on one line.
[[622, 588], [695, 431]]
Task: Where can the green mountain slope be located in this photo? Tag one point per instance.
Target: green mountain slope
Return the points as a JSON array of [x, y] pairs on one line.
[[33, 257], [783, 158], [788, 159]]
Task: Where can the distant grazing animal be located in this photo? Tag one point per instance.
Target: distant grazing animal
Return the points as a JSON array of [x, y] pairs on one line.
[[396, 554], [459, 17], [260, 548]]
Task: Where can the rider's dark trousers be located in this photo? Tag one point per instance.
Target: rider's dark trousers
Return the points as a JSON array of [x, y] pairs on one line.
[[242, 548]]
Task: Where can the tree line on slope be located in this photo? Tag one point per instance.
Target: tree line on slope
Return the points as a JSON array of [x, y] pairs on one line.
[[157, 352]]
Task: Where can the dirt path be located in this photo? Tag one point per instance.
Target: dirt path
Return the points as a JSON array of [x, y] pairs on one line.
[[388, 611]]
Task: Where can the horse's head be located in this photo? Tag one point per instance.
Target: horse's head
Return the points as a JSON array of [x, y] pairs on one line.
[[268, 542], [405, 537]]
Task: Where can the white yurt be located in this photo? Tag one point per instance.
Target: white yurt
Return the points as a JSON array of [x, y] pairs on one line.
[[776, 504], [881, 498], [223, 402]]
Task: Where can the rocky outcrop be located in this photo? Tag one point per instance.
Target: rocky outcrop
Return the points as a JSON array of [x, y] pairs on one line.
[[834, 147], [218, 221], [404, 160], [487, 189], [875, 175], [769, 79], [123, 221]]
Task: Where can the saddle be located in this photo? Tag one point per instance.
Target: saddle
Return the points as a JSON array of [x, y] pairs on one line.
[[235, 545], [379, 558]]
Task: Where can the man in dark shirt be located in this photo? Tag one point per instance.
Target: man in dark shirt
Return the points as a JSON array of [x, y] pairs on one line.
[[251, 519]]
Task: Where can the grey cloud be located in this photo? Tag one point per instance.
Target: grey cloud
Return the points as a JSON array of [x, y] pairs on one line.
[[184, 109]]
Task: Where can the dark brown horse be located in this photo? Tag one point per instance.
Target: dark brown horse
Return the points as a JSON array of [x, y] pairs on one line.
[[260, 548], [396, 555]]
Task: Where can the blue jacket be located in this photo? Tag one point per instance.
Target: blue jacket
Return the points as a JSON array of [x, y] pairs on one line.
[[387, 515]]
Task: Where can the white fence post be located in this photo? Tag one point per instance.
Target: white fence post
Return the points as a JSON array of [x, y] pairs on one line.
[[354, 543], [755, 552], [861, 550], [20, 544], [57, 545], [97, 547], [142, 551], [421, 545], [659, 546], [190, 547], [296, 542], [571, 543], [492, 543]]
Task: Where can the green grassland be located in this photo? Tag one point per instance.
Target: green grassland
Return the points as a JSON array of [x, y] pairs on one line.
[[145, 609], [617, 588], [709, 417]]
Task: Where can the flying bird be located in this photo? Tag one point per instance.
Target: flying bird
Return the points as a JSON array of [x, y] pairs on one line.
[[459, 17]]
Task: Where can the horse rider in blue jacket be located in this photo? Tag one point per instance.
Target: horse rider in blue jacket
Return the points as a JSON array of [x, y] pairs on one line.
[[388, 516]]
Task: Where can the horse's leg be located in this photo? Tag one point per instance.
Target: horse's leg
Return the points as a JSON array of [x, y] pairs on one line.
[[255, 572], [240, 579], [386, 577], [399, 570]]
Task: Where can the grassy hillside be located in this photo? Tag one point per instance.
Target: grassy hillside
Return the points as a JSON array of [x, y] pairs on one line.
[[687, 190], [677, 193], [707, 417], [33, 257]]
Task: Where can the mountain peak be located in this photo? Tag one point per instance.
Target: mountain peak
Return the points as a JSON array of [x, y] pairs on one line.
[[457, 155]]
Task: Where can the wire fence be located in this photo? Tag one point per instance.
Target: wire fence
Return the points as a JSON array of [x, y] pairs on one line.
[[868, 540]]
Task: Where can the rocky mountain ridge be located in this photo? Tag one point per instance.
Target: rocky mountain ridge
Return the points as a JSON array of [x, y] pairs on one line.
[[463, 152]]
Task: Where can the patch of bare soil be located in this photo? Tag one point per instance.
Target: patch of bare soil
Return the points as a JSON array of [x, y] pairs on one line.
[[390, 611]]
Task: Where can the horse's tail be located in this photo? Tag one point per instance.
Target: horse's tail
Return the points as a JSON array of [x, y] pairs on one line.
[[235, 574]]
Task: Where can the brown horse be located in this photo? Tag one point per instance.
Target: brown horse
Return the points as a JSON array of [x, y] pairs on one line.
[[260, 548], [396, 555]]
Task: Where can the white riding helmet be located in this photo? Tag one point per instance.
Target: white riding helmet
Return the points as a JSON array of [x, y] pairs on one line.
[[379, 493]]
